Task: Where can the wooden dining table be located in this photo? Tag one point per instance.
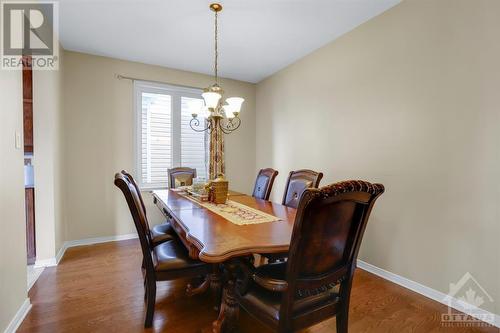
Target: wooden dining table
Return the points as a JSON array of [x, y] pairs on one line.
[[214, 239]]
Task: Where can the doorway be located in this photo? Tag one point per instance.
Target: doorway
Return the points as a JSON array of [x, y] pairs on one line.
[[29, 179]]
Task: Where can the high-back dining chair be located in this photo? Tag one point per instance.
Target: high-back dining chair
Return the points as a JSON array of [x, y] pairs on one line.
[[159, 233], [315, 283], [165, 261], [180, 176], [264, 183], [297, 182]]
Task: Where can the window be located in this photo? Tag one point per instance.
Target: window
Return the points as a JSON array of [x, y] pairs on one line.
[[164, 138]]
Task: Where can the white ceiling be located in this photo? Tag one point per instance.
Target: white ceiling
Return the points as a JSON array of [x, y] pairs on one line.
[[257, 37]]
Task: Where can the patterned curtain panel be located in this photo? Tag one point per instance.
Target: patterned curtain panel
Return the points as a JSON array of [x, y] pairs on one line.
[[216, 159]]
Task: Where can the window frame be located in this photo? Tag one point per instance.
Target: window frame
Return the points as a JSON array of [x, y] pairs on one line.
[[176, 93]]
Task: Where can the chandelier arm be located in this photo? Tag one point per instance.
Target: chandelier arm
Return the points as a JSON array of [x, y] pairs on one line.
[[230, 125], [225, 131], [196, 123]]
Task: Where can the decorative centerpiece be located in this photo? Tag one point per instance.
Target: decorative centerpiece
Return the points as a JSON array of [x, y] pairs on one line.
[[218, 190], [199, 190]]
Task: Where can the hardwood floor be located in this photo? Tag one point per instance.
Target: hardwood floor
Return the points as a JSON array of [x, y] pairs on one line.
[[98, 288]]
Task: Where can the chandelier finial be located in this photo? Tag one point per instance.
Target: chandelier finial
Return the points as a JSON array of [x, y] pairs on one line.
[[216, 7]]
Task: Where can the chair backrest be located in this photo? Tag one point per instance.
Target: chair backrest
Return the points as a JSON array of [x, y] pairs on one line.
[[180, 177], [138, 190], [327, 234], [134, 183], [132, 197], [264, 183], [296, 184]]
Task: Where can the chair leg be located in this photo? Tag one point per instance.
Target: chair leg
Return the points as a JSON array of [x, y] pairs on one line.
[[151, 300], [284, 329], [143, 270], [342, 319]]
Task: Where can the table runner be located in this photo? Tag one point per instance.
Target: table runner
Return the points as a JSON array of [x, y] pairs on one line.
[[235, 212]]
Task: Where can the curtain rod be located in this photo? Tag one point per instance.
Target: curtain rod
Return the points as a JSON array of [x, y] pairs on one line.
[[123, 77]]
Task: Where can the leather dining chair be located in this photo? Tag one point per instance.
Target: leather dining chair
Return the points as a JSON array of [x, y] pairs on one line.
[[315, 283], [264, 183], [159, 233], [180, 176], [297, 182], [177, 177], [166, 261]]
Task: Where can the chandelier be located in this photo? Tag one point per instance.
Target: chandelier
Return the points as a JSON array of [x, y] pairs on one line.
[[217, 114]]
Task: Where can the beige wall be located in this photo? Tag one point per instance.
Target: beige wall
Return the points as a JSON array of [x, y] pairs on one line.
[[47, 142], [409, 99], [12, 220], [99, 140]]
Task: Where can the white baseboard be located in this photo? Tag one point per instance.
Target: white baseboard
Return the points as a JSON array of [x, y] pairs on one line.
[[79, 242], [60, 254], [51, 262], [33, 275], [19, 317], [46, 262], [430, 293], [97, 240]]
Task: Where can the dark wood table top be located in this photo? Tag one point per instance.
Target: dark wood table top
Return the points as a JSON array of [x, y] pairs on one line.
[[218, 239]]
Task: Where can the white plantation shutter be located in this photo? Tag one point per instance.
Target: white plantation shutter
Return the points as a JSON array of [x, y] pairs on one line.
[[193, 144], [156, 137], [164, 137]]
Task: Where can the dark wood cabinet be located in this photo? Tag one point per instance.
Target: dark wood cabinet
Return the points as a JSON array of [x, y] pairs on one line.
[[28, 105], [30, 224], [28, 126]]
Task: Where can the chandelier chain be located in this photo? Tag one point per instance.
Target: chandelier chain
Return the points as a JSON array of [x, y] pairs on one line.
[[216, 69]]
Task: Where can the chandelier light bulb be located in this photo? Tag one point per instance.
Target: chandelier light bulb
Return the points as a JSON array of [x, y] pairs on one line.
[[195, 106], [229, 111], [211, 99], [235, 103], [204, 113]]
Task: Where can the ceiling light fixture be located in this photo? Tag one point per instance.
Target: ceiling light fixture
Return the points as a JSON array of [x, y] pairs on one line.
[[218, 115]]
